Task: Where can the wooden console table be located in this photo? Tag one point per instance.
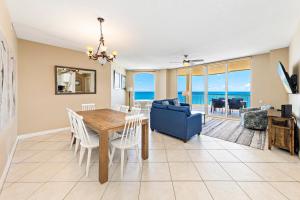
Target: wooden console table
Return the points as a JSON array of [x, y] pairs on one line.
[[281, 131]]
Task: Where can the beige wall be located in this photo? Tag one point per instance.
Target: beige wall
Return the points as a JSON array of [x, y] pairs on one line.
[[39, 108], [171, 83], [9, 134], [118, 96], [161, 84], [266, 86], [294, 57]]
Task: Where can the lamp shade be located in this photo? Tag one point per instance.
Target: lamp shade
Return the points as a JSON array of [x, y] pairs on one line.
[[129, 89]]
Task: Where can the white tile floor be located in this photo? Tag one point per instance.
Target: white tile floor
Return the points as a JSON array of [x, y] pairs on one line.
[[204, 168]]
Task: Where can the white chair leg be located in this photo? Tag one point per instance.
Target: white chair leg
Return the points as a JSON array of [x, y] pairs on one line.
[[122, 162], [76, 146], [72, 141], [81, 155], [111, 157], [88, 161]]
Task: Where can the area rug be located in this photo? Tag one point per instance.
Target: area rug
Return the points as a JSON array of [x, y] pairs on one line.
[[232, 131]]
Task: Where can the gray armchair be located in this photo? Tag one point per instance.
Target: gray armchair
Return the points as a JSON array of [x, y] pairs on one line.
[[255, 118]]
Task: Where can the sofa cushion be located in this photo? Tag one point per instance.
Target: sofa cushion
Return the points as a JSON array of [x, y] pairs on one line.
[[160, 106], [176, 102], [165, 102], [184, 109], [157, 101]]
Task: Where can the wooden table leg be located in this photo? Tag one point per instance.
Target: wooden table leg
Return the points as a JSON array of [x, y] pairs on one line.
[[145, 136], [103, 157]]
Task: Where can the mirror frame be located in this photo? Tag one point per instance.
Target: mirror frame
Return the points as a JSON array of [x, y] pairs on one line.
[[74, 68]]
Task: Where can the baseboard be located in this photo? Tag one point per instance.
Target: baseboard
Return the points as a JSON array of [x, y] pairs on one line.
[[7, 165], [39, 133]]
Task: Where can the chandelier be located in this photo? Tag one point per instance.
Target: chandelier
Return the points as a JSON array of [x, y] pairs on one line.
[[101, 53]]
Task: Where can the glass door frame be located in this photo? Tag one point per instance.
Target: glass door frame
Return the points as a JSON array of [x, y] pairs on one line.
[[206, 106]]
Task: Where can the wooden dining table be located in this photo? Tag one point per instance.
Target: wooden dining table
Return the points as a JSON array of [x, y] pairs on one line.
[[105, 122]]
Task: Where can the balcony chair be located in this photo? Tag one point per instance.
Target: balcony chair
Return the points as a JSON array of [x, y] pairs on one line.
[[217, 104], [236, 104]]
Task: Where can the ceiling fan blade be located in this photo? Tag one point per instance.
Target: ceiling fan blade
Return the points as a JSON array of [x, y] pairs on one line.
[[197, 60]]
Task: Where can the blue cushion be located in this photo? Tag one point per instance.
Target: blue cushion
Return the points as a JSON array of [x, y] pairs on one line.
[[157, 101], [184, 109], [160, 106]]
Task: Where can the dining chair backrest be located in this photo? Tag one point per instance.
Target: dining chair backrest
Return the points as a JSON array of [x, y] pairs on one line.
[[70, 112], [135, 111], [88, 106], [124, 108], [137, 105], [81, 130], [131, 131], [74, 124]]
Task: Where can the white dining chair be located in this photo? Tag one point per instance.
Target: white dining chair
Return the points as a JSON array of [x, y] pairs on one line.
[[88, 106], [128, 140], [124, 109], [137, 105], [135, 111], [88, 140], [75, 136]]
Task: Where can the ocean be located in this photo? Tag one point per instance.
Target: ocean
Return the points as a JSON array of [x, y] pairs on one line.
[[198, 97]]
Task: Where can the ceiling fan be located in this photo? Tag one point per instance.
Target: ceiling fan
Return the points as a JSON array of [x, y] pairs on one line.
[[188, 62]]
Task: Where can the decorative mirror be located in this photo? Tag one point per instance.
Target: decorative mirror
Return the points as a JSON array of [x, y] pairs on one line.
[[69, 80]]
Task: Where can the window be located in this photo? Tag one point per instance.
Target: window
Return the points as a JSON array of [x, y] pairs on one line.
[[144, 84], [181, 87], [239, 83]]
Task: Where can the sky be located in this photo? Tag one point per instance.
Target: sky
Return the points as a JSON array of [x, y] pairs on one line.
[[144, 82], [237, 81]]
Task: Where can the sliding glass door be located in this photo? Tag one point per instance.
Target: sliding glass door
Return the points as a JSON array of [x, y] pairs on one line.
[[238, 91], [216, 88], [198, 86], [181, 87]]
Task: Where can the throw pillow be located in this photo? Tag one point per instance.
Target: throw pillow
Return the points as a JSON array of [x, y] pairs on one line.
[[176, 102], [165, 103]]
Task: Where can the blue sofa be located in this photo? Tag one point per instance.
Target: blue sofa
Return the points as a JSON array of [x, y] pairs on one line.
[[176, 121]]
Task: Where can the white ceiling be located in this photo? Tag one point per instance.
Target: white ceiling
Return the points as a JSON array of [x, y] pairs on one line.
[[151, 33]]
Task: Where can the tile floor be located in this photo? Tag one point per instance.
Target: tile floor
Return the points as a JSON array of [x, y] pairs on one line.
[[204, 168]]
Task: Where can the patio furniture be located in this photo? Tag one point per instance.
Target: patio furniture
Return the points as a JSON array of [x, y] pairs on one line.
[[236, 104], [217, 104]]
